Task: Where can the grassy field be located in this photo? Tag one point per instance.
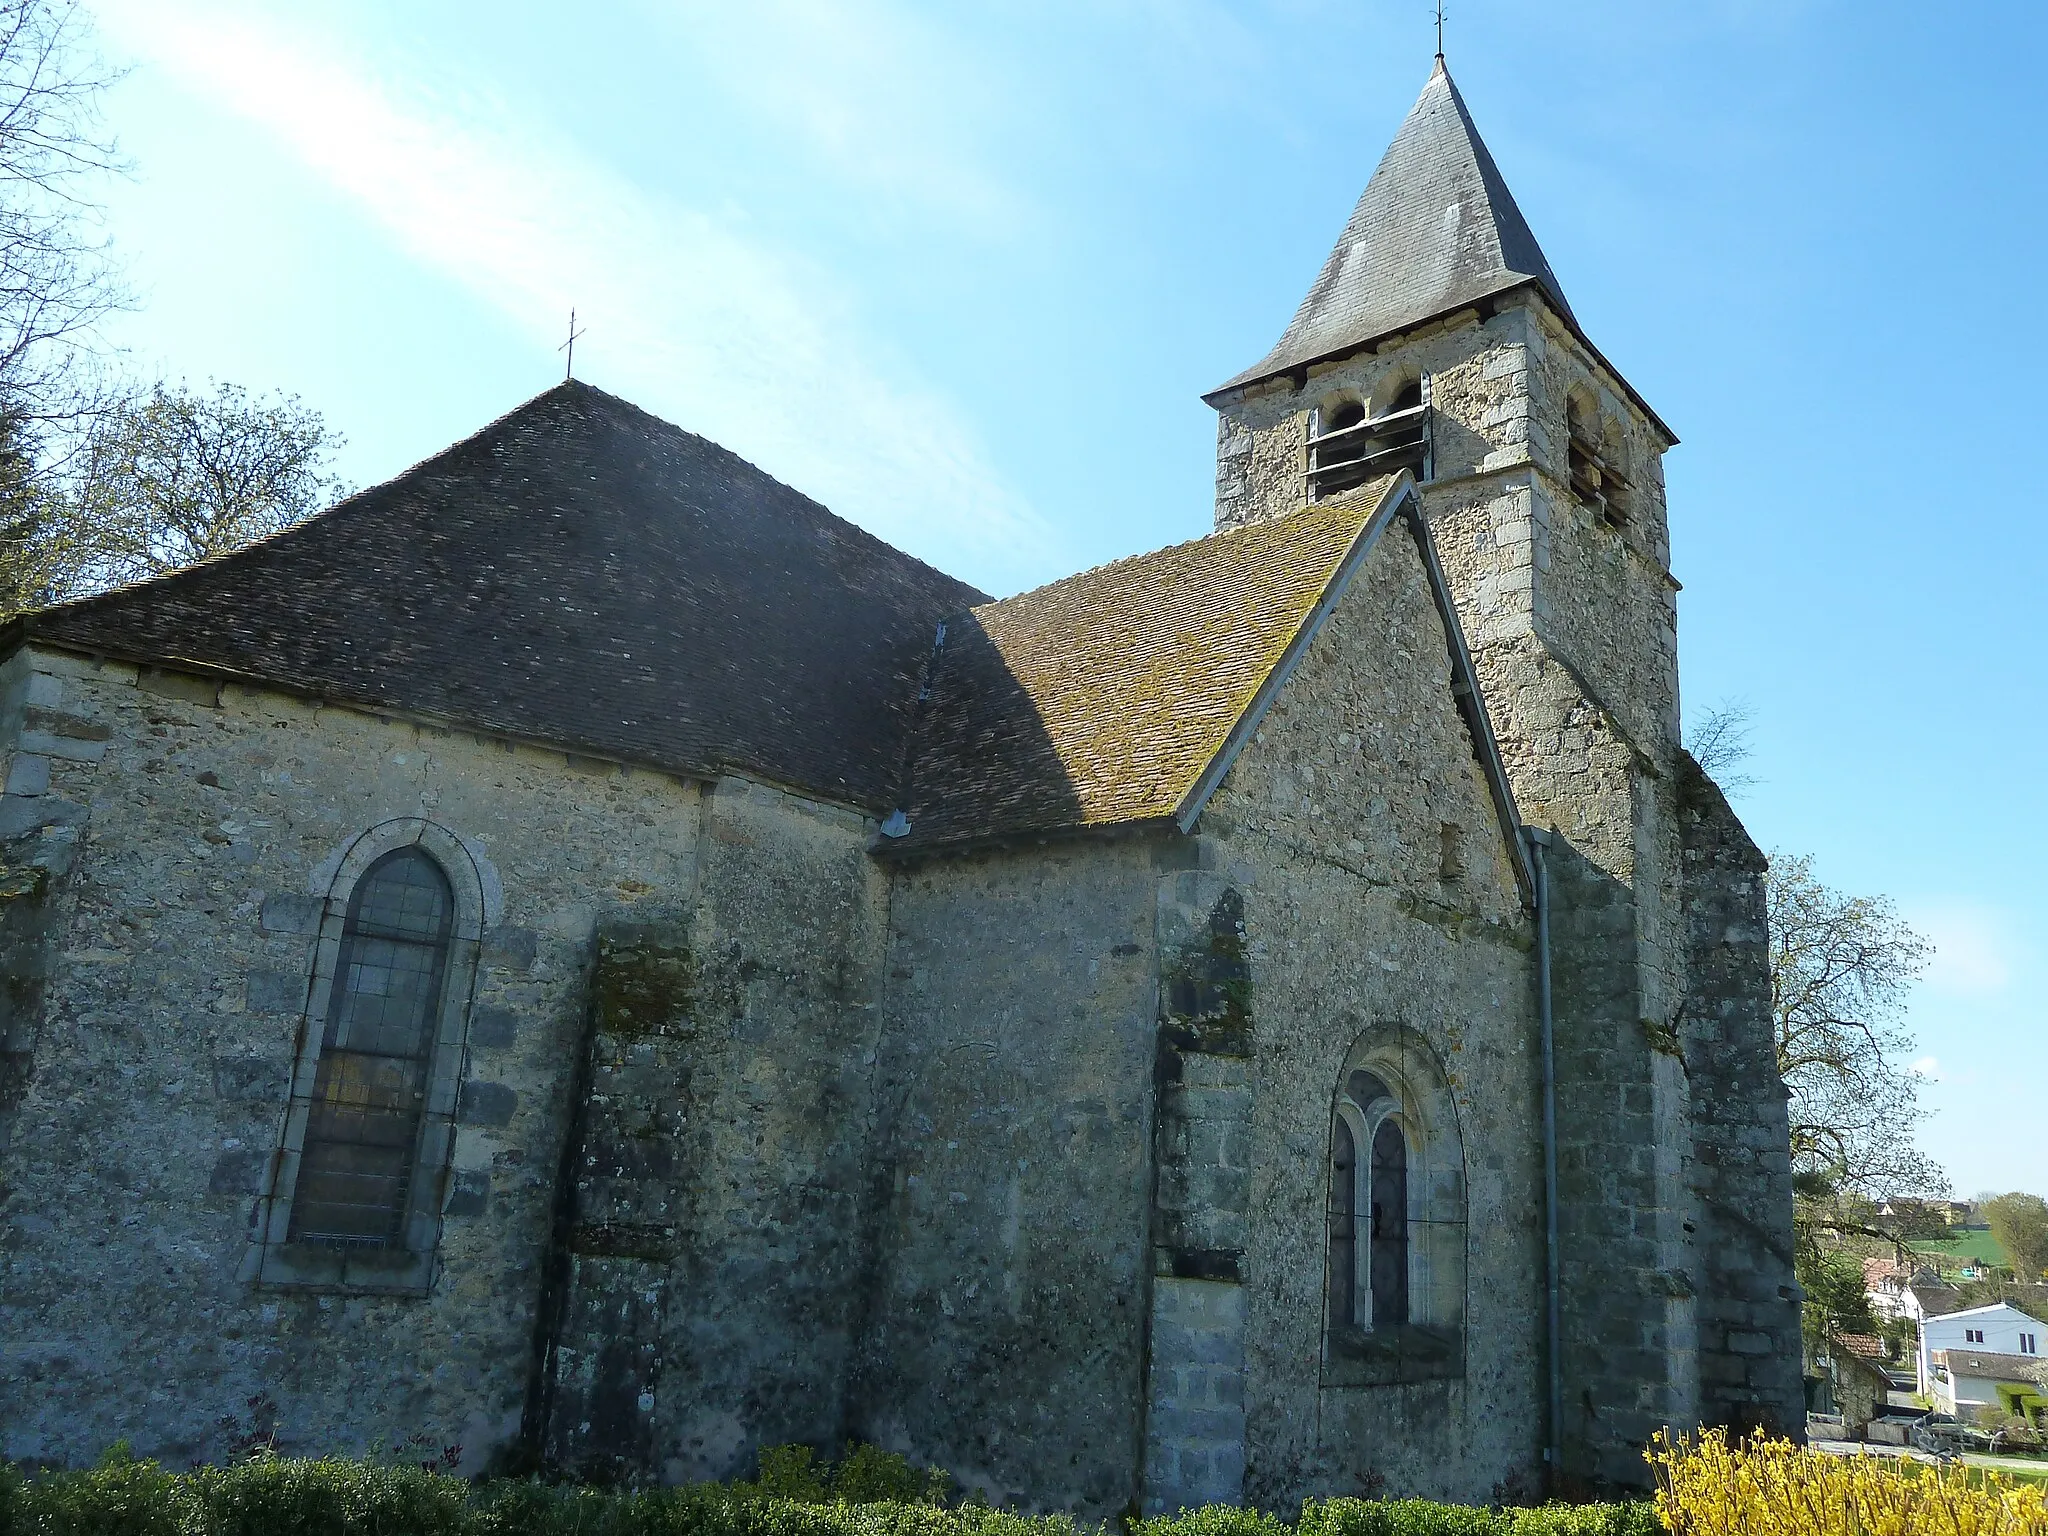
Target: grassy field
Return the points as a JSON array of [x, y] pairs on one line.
[[2026, 1469], [1975, 1244]]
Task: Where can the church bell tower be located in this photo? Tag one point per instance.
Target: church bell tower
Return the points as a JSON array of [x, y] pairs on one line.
[[1437, 339]]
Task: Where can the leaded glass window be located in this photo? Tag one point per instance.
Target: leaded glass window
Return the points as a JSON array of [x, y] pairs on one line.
[[376, 1051]]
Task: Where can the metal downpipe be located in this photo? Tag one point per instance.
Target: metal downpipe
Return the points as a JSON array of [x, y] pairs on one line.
[[1553, 1329]]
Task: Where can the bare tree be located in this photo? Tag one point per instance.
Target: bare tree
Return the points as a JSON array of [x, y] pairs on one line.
[[178, 475], [56, 277], [1719, 743]]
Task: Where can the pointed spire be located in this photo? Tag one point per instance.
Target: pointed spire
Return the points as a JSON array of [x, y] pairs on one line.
[[1436, 229]]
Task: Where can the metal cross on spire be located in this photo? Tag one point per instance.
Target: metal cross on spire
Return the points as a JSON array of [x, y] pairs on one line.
[[1439, 30], [569, 346]]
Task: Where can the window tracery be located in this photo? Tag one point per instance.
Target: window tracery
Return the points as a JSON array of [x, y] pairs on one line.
[[1395, 1288]]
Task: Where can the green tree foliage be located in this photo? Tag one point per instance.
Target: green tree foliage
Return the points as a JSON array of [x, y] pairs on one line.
[[1836, 1302], [176, 475], [2020, 1224], [1841, 967]]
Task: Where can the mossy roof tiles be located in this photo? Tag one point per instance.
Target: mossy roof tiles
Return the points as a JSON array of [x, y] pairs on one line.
[[1104, 698], [583, 575]]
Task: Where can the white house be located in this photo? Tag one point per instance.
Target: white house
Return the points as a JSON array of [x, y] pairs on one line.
[[1965, 1357]]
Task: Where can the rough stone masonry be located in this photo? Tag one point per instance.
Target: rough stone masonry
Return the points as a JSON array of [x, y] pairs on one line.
[[579, 953]]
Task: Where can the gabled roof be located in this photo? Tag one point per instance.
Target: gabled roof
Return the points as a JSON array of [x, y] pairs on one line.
[[1105, 698], [1936, 1300], [1998, 1308], [580, 574], [1990, 1364], [1436, 230]]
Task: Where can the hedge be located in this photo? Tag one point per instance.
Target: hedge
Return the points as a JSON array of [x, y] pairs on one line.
[[867, 1494]]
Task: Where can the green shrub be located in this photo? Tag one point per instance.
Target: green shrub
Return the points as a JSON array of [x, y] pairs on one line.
[[270, 1495], [1212, 1520], [1584, 1520], [868, 1492], [119, 1497], [1415, 1517]]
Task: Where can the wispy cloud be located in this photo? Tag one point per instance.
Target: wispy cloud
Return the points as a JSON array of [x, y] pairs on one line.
[[885, 97], [691, 315]]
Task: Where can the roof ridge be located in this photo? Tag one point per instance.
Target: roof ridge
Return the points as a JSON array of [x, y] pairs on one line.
[[621, 404]]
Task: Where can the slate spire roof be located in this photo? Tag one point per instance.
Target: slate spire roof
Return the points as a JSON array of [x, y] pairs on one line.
[[1436, 230]]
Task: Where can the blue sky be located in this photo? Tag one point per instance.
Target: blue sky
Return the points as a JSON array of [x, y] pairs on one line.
[[962, 272]]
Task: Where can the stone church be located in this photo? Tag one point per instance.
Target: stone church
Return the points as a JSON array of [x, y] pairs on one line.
[[579, 953]]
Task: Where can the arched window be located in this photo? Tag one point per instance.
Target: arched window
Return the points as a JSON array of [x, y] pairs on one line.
[[1594, 479], [1389, 1207], [1348, 445], [362, 1136], [353, 1198], [1396, 1256]]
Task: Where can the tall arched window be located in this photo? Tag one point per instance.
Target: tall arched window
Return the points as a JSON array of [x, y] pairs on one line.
[[362, 1135], [1396, 1255], [354, 1196]]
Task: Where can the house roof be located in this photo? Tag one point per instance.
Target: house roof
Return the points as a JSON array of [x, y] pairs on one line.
[[1877, 1271], [1865, 1346], [1105, 698], [1935, 1300], [1989, 1364], [1436, 229], [582, 574], [1994, 1308]]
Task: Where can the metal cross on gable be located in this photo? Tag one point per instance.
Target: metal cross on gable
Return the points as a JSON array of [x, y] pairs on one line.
[[569, 346]]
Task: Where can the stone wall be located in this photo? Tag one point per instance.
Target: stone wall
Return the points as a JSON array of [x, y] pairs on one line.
[[187, 831], [1013, 1173], [1749, 1316], [1379, 900]]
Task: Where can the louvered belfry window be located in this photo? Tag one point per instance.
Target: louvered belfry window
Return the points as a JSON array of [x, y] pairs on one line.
[[375, 1055]]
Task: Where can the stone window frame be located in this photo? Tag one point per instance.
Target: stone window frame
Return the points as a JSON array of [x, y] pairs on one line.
[[1431, 1345], [408, 1267], [1388, 438]]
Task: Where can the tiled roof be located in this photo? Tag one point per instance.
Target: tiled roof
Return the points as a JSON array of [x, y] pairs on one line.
[[1104, 698], [582, 574], [1865, 1346], [1936, 1300], [1436, 229], [1989, 1363]]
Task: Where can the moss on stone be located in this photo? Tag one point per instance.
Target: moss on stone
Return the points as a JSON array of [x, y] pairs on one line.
[[645, 982]]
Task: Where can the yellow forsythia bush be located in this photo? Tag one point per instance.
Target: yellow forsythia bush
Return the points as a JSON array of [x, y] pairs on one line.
[[1765, 1487]]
